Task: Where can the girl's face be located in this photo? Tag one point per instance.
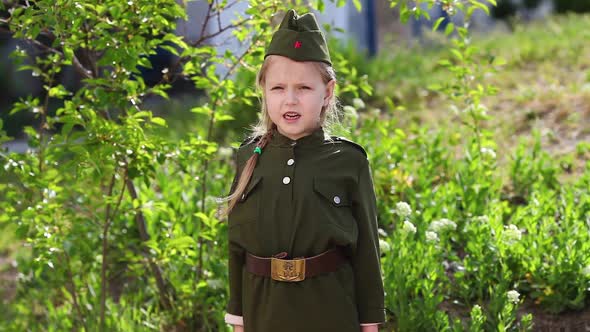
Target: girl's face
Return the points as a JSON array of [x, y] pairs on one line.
[[295, 94]]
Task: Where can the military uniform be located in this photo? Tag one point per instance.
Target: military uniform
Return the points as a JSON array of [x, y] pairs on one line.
[[305, 197]]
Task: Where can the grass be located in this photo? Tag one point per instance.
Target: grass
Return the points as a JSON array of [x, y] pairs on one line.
[[544, 85], [10, 249]]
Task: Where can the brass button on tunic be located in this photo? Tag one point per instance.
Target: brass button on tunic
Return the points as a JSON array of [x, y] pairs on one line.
[[324, 200]]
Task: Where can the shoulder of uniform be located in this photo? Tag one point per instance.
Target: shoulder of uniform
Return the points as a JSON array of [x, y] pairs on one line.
[[250, 140], [347, 141]]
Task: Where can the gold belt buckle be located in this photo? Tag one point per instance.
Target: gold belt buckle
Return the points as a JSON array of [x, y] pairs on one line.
[[290, 270]]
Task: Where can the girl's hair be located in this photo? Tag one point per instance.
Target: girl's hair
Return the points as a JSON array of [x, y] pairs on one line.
[[265, 127]]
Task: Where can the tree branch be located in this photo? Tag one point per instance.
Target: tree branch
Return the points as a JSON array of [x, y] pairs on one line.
[[206, 19], [77, 65], [217, 33], [219, 10], [73, 290], [103, 269]]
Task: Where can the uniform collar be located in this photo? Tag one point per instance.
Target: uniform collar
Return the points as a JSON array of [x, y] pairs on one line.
[[315, 138]]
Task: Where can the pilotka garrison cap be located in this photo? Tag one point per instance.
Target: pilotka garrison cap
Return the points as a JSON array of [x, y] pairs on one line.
[[299, 38]]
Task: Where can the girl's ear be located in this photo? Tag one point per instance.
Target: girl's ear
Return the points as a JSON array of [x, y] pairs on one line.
[[329, 92]]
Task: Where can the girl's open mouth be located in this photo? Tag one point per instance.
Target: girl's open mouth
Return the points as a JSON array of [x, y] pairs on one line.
[[291, 116]]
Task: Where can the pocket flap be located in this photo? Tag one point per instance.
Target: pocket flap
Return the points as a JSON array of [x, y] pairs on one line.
[[331, 190]]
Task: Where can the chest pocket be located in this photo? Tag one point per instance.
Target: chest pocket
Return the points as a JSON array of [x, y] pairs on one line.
[[334, 201], [247, 207]]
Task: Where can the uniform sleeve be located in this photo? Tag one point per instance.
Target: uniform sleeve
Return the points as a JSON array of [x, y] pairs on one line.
[[365, 259], [235, 264]]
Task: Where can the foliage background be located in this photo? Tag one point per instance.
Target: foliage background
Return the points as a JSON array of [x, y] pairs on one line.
[[110, 218]]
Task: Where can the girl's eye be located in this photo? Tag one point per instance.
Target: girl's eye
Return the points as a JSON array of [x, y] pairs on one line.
[[276, 88], [305, 88]]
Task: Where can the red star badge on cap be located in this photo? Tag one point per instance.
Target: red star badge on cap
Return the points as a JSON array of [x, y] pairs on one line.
[[297, 44]]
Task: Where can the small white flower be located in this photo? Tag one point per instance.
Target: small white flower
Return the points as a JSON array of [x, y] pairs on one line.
[[384, 246], [513, 296], [225, 152], [487, 152], [409, 227], [481, 219], [586, 271], [358, 103], [403, 209], [511, 234], [49, 193], [431, 236], [215, 283], [477, 309], [442, 225], [350, 112]]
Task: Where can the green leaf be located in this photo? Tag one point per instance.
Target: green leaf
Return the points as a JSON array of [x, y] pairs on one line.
[[444, 62], [142, 114], [404, 14], [170, 49], [499, 61], [204, 218], [68, 55], [183, 242], [201, 110], [357, 5], [449, 29], [67, 128], [481, 6], [457, 54], [58, 91], [159, 121], [320, 6], [437, 23], [223, 117]]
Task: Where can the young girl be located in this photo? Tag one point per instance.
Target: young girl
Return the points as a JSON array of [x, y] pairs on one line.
[[302, 219]]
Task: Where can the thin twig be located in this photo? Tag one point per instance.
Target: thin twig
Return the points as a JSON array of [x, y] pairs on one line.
[[220, 31], [230, 5], [120, 199], [89, 54], [218, 14], [42, 143], [77, 65], [238, 60], [103, 269], [206, 19]]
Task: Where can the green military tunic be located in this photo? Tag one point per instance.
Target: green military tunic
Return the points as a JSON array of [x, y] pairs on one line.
[[305, 197]]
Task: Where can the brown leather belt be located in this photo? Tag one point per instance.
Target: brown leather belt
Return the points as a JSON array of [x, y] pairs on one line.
[[297, 269]]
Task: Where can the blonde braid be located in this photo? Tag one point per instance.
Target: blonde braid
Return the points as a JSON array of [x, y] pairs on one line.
[[246, 174]]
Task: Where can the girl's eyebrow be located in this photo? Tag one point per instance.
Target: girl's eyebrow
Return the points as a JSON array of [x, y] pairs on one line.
[[281, 83]]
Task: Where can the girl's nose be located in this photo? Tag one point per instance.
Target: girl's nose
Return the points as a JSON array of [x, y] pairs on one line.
[[291, 96]]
